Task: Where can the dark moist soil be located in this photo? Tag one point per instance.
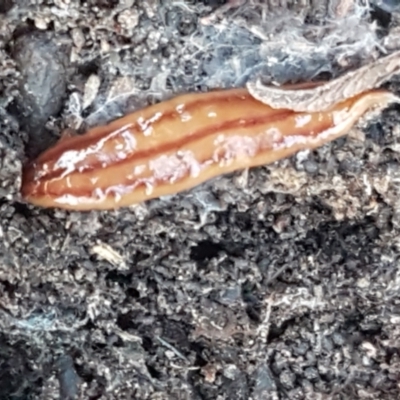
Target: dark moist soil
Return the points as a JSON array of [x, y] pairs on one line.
[[280, 282]]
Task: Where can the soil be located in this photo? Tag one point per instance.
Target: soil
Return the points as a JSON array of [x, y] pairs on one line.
[[278, 282]]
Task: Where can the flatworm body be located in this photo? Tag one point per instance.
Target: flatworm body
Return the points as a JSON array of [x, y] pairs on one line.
[[178, 144]]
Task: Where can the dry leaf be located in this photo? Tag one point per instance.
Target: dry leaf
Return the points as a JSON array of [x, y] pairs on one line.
[[91, 89], [321, 96], [106, 252]]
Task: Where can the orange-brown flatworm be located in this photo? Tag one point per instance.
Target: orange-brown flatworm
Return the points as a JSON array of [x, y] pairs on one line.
[[178, 144]]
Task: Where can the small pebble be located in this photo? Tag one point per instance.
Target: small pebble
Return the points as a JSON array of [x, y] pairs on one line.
[[42, 87]]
